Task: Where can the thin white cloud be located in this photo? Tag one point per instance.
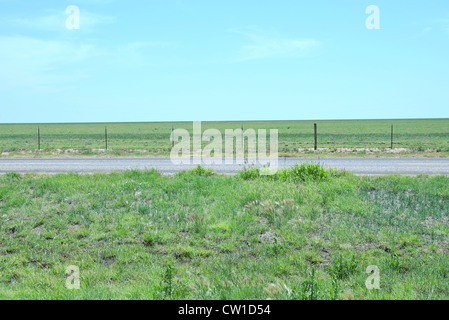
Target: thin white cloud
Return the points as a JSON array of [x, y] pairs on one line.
[[56, 20], [136, 54], [262, 46], [44, 65], [444, 24], [267, 48], [49, 22], [424, 31], [39, 64], [90, 19]]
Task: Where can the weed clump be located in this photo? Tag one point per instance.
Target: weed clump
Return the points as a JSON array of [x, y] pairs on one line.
[[149, 240], [13, 176], [199, 171], [310, 288], [249, 173], [305, 172], [343, 267], [168, 288], [297, 173]]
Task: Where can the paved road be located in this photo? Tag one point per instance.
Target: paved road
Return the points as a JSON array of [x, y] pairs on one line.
[[361, 166]]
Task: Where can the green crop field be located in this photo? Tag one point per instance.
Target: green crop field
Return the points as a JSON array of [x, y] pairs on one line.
[[305, 233], [359, 137]]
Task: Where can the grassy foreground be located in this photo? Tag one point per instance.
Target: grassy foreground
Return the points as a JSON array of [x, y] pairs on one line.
[[428, 137], [306, 233]]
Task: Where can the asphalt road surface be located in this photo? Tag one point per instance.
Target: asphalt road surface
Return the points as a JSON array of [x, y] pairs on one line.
[[361, 166]]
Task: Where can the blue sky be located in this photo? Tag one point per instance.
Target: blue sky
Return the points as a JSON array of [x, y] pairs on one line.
[[206, 60]]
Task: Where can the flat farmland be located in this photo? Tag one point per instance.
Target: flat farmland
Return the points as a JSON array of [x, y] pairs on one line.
[[346, 137]]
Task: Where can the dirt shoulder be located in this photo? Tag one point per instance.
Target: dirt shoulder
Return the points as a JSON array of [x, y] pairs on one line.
[[300, 152]]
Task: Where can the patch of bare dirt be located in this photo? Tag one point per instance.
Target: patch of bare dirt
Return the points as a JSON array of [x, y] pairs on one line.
[[359, 150], [269, 237]]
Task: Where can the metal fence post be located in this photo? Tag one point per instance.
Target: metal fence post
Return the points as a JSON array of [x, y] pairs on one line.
[[38, 139], [106, 137], [316, 137]]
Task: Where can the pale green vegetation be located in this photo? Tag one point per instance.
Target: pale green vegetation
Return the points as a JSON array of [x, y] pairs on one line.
[[422, 137]]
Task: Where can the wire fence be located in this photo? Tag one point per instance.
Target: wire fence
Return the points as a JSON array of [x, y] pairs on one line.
[[158, 141]]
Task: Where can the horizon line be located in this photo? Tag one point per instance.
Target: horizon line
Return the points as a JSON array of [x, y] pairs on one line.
[[187, 121]]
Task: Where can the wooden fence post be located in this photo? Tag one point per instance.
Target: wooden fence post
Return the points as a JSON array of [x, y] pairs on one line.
[[243, 142], [391, 136]]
